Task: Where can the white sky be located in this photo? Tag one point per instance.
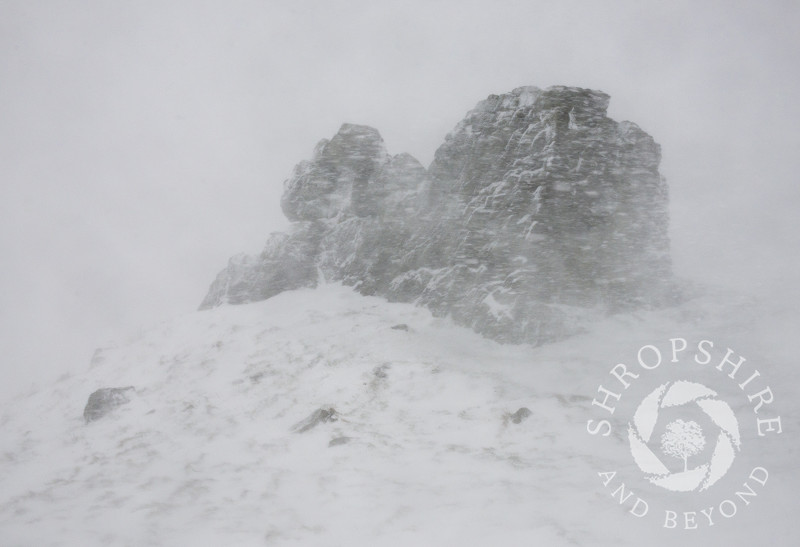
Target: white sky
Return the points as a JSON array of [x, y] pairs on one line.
[[143, 143]]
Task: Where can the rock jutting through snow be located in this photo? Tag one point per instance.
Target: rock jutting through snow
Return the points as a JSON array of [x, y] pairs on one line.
[[537, 214]]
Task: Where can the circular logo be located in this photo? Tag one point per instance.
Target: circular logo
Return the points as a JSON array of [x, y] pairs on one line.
[[681, 441]]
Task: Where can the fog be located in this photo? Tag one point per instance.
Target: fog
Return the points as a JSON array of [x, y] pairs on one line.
[[144, 143]]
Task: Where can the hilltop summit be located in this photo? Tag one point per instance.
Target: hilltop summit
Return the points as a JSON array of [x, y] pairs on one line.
[[537, 214]]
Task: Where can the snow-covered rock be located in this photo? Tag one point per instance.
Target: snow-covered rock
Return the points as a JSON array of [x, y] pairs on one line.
[[538, 214], [104, 400]]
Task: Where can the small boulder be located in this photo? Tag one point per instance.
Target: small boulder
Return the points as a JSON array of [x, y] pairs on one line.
[[321, 415], [339, 441], [401, 326], [520, 415], [104, 400]]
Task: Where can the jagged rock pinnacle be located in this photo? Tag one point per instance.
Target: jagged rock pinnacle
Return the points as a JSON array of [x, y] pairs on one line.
[[537, 212]]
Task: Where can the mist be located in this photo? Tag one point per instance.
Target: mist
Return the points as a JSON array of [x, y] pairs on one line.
[[142, 144]]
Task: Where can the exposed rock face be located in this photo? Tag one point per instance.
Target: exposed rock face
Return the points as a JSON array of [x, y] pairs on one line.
[[286, 263], [104, 400], [537, 212]]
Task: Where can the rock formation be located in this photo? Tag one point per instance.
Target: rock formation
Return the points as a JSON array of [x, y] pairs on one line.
[[104, 400], [537, 213]]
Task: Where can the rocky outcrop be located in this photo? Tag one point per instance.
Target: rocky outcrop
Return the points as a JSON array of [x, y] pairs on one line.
[[104, 400], [537, 213]]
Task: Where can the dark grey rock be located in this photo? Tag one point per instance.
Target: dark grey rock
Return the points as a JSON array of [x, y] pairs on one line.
[[286, 263], [319, 416], [104, 400], [339, 441], [537, 213], [401, 326], [520, 415]]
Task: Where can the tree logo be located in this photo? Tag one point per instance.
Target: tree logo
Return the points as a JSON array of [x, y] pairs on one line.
[[684, 441]]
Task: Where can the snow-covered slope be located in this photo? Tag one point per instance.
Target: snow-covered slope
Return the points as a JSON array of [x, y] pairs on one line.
[[425, 451]]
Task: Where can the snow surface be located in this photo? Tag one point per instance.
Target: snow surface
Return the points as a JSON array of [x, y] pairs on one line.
[[205, 454]]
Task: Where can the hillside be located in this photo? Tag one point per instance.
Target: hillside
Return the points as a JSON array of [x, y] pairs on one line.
[[425, 447]]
